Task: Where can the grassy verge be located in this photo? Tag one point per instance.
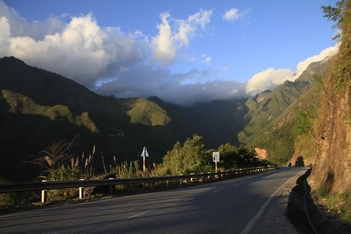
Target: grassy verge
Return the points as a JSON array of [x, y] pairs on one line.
[[336, 207]]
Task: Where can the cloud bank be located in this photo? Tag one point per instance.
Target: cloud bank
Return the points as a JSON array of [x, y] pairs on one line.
[[271, 78], [111, 62]]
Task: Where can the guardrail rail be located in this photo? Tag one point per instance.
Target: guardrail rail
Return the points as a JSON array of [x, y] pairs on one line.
[[81, 184]]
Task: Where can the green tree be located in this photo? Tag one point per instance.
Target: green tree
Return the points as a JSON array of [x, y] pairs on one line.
[[192, 157], [247, 156], [336, 14], [187, 158], [194, 154], [229, 156]]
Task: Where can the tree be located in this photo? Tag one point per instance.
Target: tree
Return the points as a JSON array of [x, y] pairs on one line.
[[229, 155], [186, 158], [194, 152], [336, 14], [247, 156]]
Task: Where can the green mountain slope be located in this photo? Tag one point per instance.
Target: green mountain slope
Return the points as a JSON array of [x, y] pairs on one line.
[[146, 112], [39, 108], [218, 121], [275, 115]]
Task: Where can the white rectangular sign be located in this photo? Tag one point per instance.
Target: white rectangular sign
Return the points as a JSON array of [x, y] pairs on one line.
[[215, 156]]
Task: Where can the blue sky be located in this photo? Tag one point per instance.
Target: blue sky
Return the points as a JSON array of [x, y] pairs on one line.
[[182, 51]]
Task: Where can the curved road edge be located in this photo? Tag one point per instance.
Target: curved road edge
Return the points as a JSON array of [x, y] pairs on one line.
[[272, 217]]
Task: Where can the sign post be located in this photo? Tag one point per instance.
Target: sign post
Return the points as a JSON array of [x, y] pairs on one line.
[[215, 159], [144, 154]]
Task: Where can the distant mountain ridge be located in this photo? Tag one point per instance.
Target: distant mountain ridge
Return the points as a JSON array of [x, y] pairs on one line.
[[38, 107], [273, 115], [268, 105]]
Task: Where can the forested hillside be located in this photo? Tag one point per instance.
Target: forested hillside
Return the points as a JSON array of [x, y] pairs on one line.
[[39, 108], [275, 118]]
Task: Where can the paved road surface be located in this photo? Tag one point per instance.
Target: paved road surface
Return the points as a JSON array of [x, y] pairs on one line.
[[240, 205]]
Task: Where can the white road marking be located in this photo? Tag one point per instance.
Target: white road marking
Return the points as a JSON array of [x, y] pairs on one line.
[[133, 216], [249, 226], [216, 191], [189, 199]]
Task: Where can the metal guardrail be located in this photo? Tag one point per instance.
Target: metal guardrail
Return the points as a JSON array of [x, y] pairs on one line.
[[32, 186]]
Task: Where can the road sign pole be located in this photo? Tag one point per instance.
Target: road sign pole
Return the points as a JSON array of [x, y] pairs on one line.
[[144, 154], [215, 159], [144, 165]]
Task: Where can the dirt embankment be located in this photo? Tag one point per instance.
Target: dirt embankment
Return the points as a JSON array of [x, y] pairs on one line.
[[332, 166]]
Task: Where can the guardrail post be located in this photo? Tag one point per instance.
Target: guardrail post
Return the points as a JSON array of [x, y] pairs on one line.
[[81, 191], [111, 187], [167, 182], [44, 194]]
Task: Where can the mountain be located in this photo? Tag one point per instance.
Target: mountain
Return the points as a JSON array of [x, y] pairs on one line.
[[218, 121], [273, 115], [39, 108]]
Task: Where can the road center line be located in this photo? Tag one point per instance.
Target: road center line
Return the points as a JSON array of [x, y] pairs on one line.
[[133, 216]]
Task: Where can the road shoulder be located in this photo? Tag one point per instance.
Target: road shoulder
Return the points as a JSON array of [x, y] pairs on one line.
[[275, 219]]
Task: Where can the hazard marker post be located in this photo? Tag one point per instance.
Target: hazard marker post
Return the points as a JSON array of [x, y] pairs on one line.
[[144, 154]]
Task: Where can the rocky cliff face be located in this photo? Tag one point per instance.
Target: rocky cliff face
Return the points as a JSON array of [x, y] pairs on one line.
[[332, 168]]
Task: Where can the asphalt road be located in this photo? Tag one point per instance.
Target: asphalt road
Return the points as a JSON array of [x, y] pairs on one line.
[[229, 206]]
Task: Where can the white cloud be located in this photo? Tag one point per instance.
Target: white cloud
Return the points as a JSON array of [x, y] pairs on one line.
[[173, 37], [205, 58], [112, 62], [80, 49], [271, 78], [326, 53], [164, 47], [231, 14], [108, 60], [36, 30], [4, 35], [267, 79]]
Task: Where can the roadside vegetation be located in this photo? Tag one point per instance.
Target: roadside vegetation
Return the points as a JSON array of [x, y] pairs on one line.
[[338, 205], [58, 163]]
